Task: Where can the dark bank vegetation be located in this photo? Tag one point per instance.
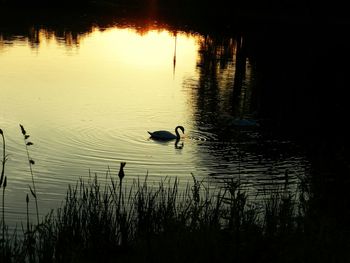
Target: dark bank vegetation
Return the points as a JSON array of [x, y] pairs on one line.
[[102, 220], [223, 12]]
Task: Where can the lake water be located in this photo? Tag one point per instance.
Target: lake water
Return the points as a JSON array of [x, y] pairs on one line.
[[88, 99]]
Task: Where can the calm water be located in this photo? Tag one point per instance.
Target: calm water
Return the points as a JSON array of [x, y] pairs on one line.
[[88, 101]]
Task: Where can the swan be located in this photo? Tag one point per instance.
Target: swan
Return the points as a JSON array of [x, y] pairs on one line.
[[231, 121], [244, 123], [166, 135]]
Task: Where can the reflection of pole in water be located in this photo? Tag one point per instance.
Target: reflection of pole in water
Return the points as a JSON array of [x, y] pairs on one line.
[[174, 58]]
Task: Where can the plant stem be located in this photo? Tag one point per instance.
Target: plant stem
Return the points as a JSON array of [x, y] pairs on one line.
[[3, 209], [121, 176], [33, 182], [31, 162], [3, 183], [3, 157], [27, 201]]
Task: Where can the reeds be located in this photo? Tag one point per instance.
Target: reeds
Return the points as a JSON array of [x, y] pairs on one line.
[[4, 157], [194, 224], [31, 162], [3, 183], [9, 246], [116, 222]]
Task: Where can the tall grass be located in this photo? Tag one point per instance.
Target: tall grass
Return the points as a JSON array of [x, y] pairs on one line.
[[163, 223], [113, 222]]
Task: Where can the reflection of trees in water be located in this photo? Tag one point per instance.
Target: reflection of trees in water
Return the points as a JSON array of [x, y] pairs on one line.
[[67, 29], [36, 35], [68, 38], [302, 85], [223, 91]]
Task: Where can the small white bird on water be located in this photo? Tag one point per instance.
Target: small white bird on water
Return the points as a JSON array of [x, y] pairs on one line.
[[166, 135]]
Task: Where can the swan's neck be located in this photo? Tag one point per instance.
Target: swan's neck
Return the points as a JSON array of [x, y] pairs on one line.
[[177, 132]]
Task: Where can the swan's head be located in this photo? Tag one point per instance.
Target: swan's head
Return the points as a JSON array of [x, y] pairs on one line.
[[181, 128]]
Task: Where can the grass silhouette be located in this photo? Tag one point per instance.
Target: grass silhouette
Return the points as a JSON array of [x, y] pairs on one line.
[[112, 222]]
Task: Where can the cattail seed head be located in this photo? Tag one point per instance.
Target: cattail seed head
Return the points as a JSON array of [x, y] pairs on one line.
[[121, 170]]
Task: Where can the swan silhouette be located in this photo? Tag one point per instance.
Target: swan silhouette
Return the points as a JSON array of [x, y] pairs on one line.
[[166, 135]]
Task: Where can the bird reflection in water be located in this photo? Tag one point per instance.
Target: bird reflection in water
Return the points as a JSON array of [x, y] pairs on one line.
[[177, 145]]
